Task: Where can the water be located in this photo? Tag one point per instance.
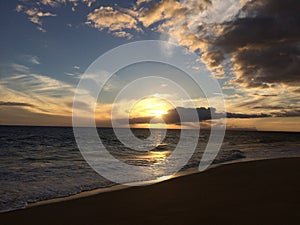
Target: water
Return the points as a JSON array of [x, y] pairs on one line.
[[39, 163]]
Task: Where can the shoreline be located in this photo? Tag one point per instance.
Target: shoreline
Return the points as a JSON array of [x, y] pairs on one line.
[[116, 187], [269, 189]]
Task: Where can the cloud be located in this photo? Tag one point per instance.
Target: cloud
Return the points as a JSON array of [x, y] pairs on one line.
[[163, 10], [289, 113], [22, 116], [75, 75], [189, 23], [31, 59], [123, 34], [264, 43], [76, 67], [53, 3], [58, 3], [259, 39], [88, 2], [35, 10], [242, 115], [265, 95], [19, 68], [35, 60], [47, 95], [34, 14], [41, 29], [267, 107], [19, 8], [139, 2], [268, 100], [16, 104], [113, 20], [296, 91], [187, 115], [252, 43]]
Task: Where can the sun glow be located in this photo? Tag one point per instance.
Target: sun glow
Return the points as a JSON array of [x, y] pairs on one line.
[[158, 112], [151, 107]]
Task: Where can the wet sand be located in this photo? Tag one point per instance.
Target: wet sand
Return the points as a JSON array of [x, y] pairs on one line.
[[254, 193]]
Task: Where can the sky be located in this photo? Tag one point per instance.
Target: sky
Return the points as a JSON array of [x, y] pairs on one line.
[[252, 47]]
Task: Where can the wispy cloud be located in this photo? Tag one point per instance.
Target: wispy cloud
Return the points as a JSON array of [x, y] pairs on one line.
[[74, 75], [76, 67], [46, 94], [35, 60], [268, 100], [30, 59], [19, 68], [16, 104]]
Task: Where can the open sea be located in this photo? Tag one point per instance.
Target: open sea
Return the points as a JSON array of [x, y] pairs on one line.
[[40, 163]]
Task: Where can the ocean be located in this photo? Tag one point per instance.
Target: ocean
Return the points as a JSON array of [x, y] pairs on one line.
[[40, 163]]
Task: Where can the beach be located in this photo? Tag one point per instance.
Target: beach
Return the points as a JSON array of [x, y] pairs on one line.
[[256, 192], [148, 112]]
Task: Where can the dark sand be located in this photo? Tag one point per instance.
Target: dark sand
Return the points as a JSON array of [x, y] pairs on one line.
[[262, 192]]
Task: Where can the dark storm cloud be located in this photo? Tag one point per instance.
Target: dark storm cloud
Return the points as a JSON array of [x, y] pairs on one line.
[[278, 63], [15, 104], [187, 115], [264, 42]]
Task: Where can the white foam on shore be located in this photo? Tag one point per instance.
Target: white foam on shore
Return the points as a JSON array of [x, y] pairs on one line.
[[142, 183]]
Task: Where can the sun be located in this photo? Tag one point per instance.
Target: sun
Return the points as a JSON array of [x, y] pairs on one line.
[[151, 107], [157, 112]]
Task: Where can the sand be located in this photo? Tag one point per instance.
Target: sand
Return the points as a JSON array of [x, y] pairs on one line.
[[263, 192]]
